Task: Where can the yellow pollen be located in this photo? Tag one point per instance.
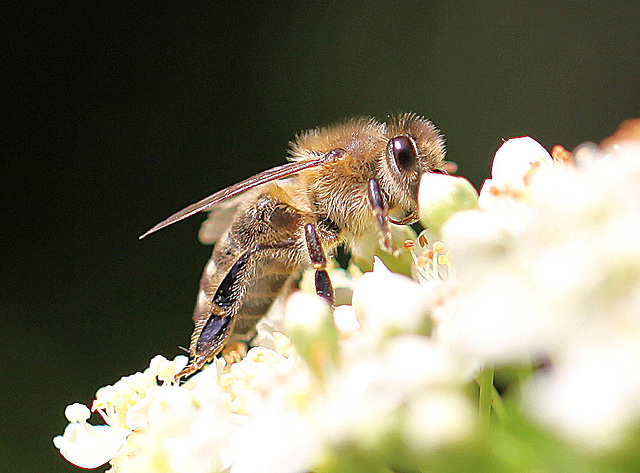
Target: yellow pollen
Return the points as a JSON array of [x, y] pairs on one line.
[[560, 154]]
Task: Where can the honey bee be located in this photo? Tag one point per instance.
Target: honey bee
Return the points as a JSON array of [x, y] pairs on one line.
[[341, 182]]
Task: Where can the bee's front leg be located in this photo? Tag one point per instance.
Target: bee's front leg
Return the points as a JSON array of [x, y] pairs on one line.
[[324, 288], [380, 210]]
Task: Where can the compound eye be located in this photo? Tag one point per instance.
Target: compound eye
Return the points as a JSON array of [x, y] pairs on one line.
[[404, 153]]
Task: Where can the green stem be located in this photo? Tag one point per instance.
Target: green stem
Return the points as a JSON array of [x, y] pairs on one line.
[[485, 381], [498, 406]]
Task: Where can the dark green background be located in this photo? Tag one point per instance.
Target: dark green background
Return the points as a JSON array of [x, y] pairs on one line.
[[116, 116]]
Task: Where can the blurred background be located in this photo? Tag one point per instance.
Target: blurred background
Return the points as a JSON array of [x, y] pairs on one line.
[[119, 115]]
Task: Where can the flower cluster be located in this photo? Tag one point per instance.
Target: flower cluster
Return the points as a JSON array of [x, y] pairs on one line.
[[506, 336], [551, 276]]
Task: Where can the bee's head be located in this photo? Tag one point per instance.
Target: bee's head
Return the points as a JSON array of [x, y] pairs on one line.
[[414, 146]]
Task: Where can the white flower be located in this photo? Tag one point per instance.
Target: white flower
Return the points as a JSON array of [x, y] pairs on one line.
[[387, 303], [187, 431], [114, 402], [358, 401], [263, 377], [563, 285], [592, 395], [500, 320], [362, 401], [275, 440], [309, 323], [546, 268], [270, 391], [516, 161], [85, 445], [346, 320], [506, 194], [151, 425], [571, 264], [476, 239], [441, 417]]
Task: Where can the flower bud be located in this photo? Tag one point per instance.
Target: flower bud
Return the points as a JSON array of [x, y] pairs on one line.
[[441, 195], [310, 325]]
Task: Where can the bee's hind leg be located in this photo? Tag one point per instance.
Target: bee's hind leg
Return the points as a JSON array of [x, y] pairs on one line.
[[324, 288]]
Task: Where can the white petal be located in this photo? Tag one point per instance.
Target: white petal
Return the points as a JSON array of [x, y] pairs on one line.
[[440, 196], [305, 311], [516, 156], [438, 418], [89, 446], [345, 319], [593, 395], [500, 320], [386, 301], [515, 159], [274, 442], [77, 412]]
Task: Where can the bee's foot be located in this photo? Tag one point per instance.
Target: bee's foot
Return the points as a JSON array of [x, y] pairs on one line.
[[387, 245], [194, 365]]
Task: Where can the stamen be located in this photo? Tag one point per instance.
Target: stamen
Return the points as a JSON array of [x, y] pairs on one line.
[[432, 263], [409, 245], [561, 155]]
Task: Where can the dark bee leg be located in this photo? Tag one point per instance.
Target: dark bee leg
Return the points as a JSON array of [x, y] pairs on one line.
[[324, 288], [220, 321], [380, 211]]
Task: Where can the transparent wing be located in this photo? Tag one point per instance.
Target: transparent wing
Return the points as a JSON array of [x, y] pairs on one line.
[[218, 218], [261, 178]]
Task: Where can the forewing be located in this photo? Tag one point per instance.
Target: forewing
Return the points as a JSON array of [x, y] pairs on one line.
[[261, 178]]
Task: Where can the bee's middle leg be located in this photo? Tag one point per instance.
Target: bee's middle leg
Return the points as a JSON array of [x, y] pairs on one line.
[[324, 287]]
